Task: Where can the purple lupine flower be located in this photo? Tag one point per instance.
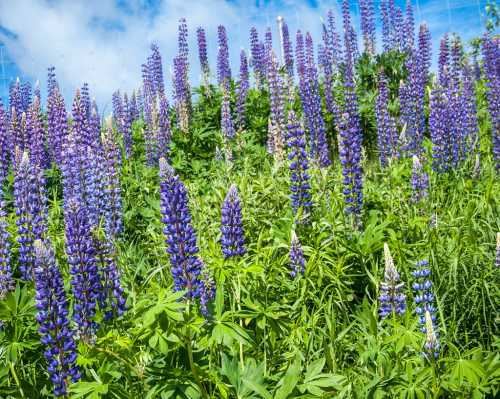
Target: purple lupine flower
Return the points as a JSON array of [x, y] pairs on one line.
[[17, 131], [350, 139], [242, 91], [256, 59], [151, 131], [79, 122], [223, 68], [36, 92], [182, 94], [207, 290], [164, 128], [491, 56], [94, 185], [439, 126], [301, 68], [232, 232], [113, 212], [387, 135], [157, 70], [52, 317], [425, 309], [117, 109], [227, 125], [419, 181], [134, 108], [276, 95], [334, 41], [326, 61], [470, 123], [409, 27], [386, 25], [268, 48], [202, 53], [317, 129], [85, 280], [391, 297], [86, 102], [444, 61], [431, 338], [5, 144], [296, 254], [36, 132], [423, 63], [15, 97], [57, 124], [92, 136], [31, 210], [287, 49], [51, 80], [127, 127], [299, 164], [6, 281], [72, 170], [348, 29], [112, 301], [398, 26], [183, 40], [368, 25], [180, 236], [25, 96]]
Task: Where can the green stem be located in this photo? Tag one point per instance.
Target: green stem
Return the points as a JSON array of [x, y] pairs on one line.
[[189, 349], [238, 298], [13, 371]]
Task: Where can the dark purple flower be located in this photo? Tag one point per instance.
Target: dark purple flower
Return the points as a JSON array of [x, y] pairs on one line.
[[57, 124], [6, 281], [409, 27], [368, 25], [419, 181], [242, 91], [287, 48], [182, 94], [86, 102], [183, 40], [439, 126], [51, 80], [386, 125], [36, 131], [223, 68], [276, 94], [257, 57], [52, 317], [157, 70], [112, 301], [180, 236], [85, 279], [232, 232], [5, 146], [118, 110], [164, 128], [391, 297], [297, 261], [127, 127], [30, 203], [227, 125], [202, 53], [424, 300], [299, 165]]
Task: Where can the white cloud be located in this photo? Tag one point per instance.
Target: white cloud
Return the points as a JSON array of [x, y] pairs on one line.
[[72, 35]]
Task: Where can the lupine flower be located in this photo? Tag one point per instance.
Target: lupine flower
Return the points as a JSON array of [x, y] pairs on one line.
[[202, 53], [25, 96], [112, 301], [72, 170], [157, 70], [497, 259], [133, 106], [5, 150], [387, 135], [286, 48], [52, 317], [386, 25], [232, 233], [419, 181], [36, 132], [51, 80], [444, 61], [227, 125], [431, 339], [113, 212], [85, 279], [57, 124], [276, 94], [6, 281], [94, 176], [87, 104], [242, 91], [424, 297], [470, 124], [299, 165], [164, 129], [368, 25], [491, 55], [409, 27], [223, 68], [180, 236], [439, 126], [182, 94], [334, 42], [15, 96], [127, 127], [183, 40], [256, 60], [297, 261], [31, 210], [326, 62], [207, 289], [391, 296], [117, 109]]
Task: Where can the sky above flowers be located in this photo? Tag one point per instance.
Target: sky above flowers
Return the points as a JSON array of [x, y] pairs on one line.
[[104, 42]]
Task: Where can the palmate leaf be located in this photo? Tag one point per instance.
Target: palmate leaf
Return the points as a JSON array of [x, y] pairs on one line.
[[89, 390]]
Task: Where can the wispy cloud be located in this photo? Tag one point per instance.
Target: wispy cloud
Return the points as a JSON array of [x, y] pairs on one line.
[[104, 42]]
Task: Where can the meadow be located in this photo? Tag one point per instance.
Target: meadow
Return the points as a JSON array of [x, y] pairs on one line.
[[321, 222]]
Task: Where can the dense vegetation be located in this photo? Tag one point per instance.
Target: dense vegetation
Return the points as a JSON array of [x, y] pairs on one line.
[[270, 329]]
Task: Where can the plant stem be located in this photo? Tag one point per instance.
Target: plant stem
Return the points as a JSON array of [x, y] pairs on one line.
[[13, 371], [189, 349]]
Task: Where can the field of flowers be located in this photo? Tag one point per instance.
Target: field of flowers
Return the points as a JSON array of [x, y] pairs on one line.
[[321, 223]]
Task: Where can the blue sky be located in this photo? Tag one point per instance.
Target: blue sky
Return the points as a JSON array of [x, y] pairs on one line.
[[104, 42]]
